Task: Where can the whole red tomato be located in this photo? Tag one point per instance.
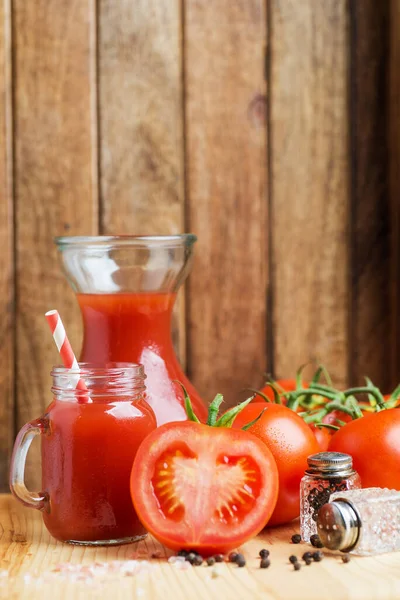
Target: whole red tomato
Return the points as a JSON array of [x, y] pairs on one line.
[[322, 435], [374, 443], [291, 441], [203, 488]]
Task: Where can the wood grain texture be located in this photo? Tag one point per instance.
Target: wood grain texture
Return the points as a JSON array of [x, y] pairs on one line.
[[310, 185], [55, 175], [30, 556], [227, 193], [141, 123], [370, 247], [6, 255], [140, 78], [394, 158]]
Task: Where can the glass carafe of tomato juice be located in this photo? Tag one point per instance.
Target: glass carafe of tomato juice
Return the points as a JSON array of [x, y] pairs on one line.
[[89, 441], [126, 288]]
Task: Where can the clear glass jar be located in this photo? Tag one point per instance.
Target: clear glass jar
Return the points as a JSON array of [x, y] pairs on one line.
[[89, 440], [327, 473], [126, 288], [364, 522]]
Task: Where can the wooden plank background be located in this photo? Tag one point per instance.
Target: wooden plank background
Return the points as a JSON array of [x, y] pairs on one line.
[[270, 128]]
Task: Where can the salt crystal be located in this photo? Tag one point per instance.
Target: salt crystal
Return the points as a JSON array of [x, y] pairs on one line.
[[176, 559]]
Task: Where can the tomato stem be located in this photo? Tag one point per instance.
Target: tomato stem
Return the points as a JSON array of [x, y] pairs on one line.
[[327, 426], [213, 409]]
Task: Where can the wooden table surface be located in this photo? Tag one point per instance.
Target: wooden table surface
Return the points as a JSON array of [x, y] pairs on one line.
[[35, 566]]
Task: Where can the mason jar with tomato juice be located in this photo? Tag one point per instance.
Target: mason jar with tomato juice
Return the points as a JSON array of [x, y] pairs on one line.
[[89, 441]]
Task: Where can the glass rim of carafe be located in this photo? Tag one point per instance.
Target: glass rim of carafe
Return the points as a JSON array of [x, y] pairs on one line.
[[137, 241]]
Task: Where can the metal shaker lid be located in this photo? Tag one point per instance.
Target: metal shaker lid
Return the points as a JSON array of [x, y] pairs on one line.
[[330, 464], [339, 525]]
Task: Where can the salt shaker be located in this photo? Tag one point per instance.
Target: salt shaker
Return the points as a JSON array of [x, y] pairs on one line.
[[364, 522], [327, 473]]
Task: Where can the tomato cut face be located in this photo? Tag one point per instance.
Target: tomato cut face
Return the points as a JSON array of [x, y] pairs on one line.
[[202, 488]]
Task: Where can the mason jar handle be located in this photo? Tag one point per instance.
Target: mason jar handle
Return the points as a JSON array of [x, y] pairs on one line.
[[38, 500]]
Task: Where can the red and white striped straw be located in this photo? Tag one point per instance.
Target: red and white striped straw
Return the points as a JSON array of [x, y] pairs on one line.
[[65, 349]]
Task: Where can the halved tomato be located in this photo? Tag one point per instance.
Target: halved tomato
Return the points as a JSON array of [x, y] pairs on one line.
[[203, 488]]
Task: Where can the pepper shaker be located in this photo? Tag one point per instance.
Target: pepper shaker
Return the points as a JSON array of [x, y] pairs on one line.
[[327, 473], [364, 522]]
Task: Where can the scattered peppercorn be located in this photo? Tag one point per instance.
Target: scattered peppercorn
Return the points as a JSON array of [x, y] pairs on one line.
[[297, 566], [233, 557], [219, 558], [264, 563], [306, 555], [210, 561], [183, 553], [264, 553], [190, 557], [293, 559], [240, 561], [346, 558], [317, 556], [308, 561], [198, 560], [315, 541], [296, 538]]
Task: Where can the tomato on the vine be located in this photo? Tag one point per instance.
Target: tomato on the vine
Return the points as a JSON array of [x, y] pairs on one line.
[[282, 385], [291, 441], [201, 487], [374, 443], [322, 435]]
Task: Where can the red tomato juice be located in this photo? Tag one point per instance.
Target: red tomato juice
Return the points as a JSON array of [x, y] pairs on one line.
[[87, 456], [136, 327]]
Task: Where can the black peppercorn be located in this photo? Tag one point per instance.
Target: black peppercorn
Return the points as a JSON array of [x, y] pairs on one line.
[[190, 557], [317, 556], [219, 558], [233, 557], [315, 541], [183, 553], [240, 561], [306, 555], [264, 553], [296, 538], [210, 561], [293, 559], [297, 566], [265, 563], [346, 558], [308, 561], [198, 560]]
